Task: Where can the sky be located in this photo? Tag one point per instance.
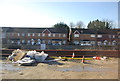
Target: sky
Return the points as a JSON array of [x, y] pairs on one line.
[[35, 13]]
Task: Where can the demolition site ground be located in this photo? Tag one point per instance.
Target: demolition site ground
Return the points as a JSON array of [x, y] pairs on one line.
[[67, 69]]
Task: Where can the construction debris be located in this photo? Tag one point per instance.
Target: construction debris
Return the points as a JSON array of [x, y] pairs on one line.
[[26, 61], [27, 57], [17, 55], [99, 58]]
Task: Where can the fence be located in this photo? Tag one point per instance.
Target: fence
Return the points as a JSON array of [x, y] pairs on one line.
[[78, 53]]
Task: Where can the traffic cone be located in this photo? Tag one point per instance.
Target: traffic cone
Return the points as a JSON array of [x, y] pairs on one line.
[[82, 59], [73, 55]]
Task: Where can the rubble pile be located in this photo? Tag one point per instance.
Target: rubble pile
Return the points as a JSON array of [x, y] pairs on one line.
[[27, 57]]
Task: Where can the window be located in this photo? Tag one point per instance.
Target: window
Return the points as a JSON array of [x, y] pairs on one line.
[[60, 43], [76, 42], [38, 39], [99, 36], [33, 34], [39, 42], [32, 39], [64, 42], [43, 34], [64, 35], [114, 42], [12, 41], [92, 42], [28, 41], [49, 35], [28, 34], [43, 41], [18, 34], [59, 35], [23, 41], [99, 43], [105, 42], [18, 42], [38, 34], [53, 35], [23, 34], [49, 41], [76, 35], [113, 36], [92, 35], [109, 43]]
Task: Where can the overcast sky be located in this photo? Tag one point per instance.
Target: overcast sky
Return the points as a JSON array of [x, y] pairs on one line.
[[34, 13]]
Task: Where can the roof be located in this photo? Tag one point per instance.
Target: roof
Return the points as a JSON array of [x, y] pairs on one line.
[[91, 31], [32, 30], [58, 30]]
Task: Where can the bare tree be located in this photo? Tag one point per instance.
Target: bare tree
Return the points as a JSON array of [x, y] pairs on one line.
[[108, 23], [79, 24], [71, 24]]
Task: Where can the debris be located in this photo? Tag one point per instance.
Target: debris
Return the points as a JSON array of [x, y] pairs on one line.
[[26, 61], [31, 54], [28, 57], [99, 58], [40, 57], [20, 73], [17, 55]]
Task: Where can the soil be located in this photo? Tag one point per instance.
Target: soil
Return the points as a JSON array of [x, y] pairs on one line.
[[91, 69]]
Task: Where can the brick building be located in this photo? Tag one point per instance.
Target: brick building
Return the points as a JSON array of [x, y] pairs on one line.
[[33, 36], [92, 37], [53, 36]]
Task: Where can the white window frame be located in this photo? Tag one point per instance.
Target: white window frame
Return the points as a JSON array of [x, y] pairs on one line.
[[38, 34], [64, 42], [43, 34], [23, 41], [18, 42], [99, 43], [23, 34], [49, 35], [33, 34], [113, 36], [49, 42], [113, 42], [18, 34], [59, 35], [109, 43], [28, 34], [12, 41], [28, 41], [92, 35], [53, 35], [43, 41], [76, 35], [76, 42], [99, 36], [64, 35]]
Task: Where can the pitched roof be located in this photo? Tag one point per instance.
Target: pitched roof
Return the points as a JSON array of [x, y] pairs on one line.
[[32, 30], [90, 31], [84, 31]]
